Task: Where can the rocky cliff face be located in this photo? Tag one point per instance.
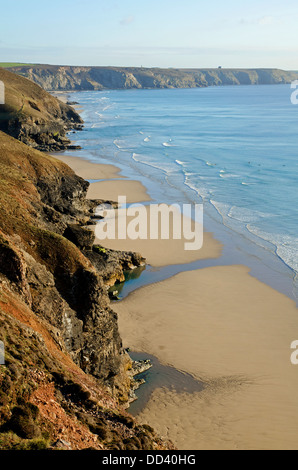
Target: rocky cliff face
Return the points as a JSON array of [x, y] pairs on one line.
[[33, 116], [64, 357], [55, 78]]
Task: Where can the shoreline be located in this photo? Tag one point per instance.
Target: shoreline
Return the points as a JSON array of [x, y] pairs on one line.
[[233, 333], [89, 170], [233, 389]]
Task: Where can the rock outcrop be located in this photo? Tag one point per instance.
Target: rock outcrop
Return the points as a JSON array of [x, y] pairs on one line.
[[57, 78], [34, 117], [66, 377]]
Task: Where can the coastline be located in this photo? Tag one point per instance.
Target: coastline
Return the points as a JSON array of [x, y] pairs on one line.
[[231, 332], [225, 328], [88, 170]]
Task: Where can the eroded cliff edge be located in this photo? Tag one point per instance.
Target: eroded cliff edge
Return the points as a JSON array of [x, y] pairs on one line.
[[34, 117], [66, 381], [57, 78]]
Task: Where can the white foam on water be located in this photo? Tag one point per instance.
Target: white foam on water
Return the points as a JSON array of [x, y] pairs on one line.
[[167, 144], [248, 215], [286, 245], [138, 158], [201, 191], [228, 175], [240, 214], [97, 125], [121, 144]]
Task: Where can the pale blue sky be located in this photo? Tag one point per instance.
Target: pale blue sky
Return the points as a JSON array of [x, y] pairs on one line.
[[152, 33]]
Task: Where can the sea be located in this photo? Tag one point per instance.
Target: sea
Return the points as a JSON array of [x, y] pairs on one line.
[[232, 148]]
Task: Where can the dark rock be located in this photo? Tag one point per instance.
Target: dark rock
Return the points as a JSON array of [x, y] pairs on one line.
[[34, 117], [112, 265], [61, 445], [80, 236]]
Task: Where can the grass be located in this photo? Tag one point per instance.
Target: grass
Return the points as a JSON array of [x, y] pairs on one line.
[[7, 65]]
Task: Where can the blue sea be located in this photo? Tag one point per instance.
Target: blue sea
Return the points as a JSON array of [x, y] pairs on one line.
[[233, 148]]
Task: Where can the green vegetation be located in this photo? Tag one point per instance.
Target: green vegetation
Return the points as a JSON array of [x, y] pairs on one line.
[[10, 441], [8, 65], [99, 249]]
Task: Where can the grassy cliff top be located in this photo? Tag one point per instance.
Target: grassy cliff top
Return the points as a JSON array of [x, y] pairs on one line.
[[27, 99], [7, 65], [35, 117]]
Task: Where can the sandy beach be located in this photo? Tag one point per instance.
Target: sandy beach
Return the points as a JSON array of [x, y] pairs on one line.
[[159, 253], [222, 326], [232, 332], [111, 190], [89, 170]]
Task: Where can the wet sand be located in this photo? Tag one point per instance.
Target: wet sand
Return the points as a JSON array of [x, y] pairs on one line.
[[231, 332]]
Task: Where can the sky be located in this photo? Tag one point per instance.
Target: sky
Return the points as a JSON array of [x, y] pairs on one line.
[[151, 33]]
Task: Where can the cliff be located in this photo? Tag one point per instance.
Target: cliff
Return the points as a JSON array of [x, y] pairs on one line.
[[55, 78], [67, 380], [33, 116], [66, 377]]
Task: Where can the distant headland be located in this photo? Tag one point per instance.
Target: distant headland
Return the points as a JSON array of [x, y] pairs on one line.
[[75, 78]]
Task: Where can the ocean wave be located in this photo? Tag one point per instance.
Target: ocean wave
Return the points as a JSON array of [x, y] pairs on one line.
[[138, 158], [228, 175], [203, 192], [168, 144], [118, 144], [286, 245], [240, 214], [122, 145], [97, 125]]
